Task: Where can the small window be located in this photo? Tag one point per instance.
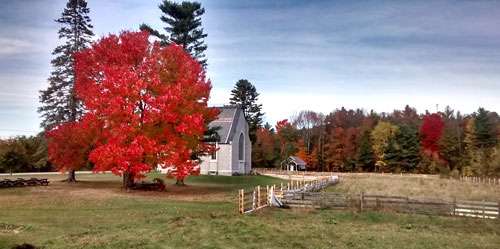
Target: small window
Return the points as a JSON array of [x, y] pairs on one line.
[[241, 147]]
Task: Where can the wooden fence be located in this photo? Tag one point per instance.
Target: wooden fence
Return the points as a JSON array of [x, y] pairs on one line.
[[266, 171], [473, 179], [362, 202], [259, 197], [479, 179], [252, 200]]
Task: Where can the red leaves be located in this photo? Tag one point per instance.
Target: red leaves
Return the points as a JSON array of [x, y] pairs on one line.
[[150, 104], [431, 131], [69, 144], [282, 124]]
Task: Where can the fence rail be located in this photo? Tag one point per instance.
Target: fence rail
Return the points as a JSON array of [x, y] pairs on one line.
[[363, 202], [259, 197], [471, 179], [483, 180]]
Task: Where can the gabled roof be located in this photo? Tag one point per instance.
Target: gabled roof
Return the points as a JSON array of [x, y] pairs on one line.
[[297, 160], [227, 121]]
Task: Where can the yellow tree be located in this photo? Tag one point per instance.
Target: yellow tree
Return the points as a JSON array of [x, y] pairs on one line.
[[380, 136]]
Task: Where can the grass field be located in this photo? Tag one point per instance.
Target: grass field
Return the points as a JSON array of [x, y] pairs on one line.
[[430, 187], [96, 213]]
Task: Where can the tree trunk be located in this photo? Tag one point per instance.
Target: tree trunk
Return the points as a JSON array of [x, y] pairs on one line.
[[180, 182], [71, 176], [128, 180]]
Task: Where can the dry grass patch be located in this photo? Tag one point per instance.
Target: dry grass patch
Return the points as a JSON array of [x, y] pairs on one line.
[[425, 186]]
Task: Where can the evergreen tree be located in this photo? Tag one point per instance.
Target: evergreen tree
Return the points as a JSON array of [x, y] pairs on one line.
[[450, 144], [409, 147], [59, 101], [403, 150], [449, 148], [245, 94], [184, 28], [485, 132], [392, 156], [366, 158]]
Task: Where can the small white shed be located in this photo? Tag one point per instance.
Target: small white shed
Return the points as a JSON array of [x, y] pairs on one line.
[[293, 163]]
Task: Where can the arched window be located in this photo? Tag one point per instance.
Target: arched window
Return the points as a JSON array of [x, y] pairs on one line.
[[241, 147]]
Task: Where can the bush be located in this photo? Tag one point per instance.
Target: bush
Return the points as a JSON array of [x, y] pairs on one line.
[[24, 154]]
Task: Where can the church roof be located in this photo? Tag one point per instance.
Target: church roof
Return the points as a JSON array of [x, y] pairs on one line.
[[227, 121]]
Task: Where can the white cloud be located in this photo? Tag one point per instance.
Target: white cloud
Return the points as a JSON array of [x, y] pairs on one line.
[[12, 46]]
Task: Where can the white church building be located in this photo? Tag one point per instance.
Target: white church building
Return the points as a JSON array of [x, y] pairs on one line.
[[234, 147]]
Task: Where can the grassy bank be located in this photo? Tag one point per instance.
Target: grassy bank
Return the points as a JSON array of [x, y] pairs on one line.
[[95, 213]]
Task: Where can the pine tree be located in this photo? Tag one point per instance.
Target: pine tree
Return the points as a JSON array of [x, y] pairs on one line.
[[366, 158], [392, 155], [183, 28], [59, 101], [485, 132], [409, 147], [245, 94], [450, 144]]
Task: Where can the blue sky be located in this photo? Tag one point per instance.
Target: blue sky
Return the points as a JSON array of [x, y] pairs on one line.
[[317, 55]]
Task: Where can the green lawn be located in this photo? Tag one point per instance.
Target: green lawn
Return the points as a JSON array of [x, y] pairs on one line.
[[95, 213]]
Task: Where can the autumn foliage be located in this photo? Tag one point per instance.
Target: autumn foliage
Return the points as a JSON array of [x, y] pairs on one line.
[[148, 102], [431, 132], [69, 144]]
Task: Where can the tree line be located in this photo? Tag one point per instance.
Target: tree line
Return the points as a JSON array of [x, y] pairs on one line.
[[446, 142]]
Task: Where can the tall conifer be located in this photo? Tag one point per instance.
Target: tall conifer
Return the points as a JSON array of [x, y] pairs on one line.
[[184, 27], [59, 101], [245, 94]]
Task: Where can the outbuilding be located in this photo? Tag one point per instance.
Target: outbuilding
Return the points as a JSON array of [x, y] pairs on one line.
[[294, 163]]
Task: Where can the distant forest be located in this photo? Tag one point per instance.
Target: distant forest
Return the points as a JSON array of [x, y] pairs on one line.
[[447, 142]]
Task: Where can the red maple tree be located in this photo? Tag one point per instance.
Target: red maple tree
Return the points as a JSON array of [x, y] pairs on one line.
[[70, 143], [287, 137], [150, 102], [430, 132]]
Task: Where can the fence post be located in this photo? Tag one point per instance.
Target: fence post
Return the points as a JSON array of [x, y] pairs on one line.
[[254, 199], [267, 195], [242, 201], [258, 196]]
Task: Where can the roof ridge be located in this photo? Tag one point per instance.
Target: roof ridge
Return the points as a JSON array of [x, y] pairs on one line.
[[232, 125]]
